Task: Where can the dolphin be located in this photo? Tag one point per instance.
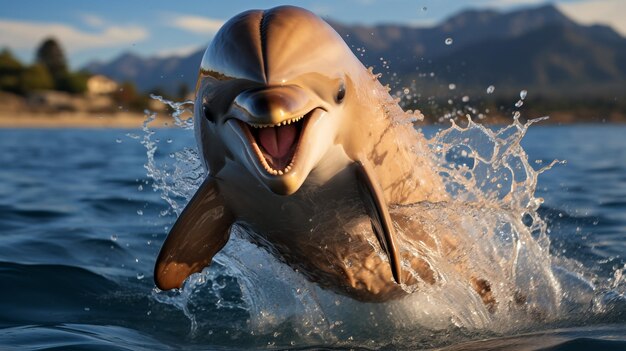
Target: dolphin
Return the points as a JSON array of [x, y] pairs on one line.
[[303, 149]]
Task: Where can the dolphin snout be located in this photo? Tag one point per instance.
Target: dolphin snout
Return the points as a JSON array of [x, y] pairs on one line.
[[272, 105]]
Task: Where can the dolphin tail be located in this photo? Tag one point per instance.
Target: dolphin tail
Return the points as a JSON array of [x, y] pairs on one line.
[[201, 230], [376, 207]]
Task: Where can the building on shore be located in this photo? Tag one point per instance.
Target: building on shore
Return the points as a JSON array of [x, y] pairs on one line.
[[101, 85]]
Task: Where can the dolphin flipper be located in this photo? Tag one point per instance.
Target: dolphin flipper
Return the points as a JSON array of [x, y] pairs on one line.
[[376, 207], [201, 230]]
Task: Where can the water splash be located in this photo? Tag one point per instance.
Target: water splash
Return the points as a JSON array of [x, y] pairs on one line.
[[177, 181], [497, 235]]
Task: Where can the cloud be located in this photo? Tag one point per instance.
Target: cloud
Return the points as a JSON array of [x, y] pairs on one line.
[[607, 12], [21, 35], [178, 52], [196, 24], [92, 20]]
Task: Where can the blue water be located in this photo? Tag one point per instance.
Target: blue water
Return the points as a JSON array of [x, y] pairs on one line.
[[80, 227]]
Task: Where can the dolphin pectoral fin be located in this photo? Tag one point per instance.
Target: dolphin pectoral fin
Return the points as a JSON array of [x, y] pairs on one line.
[[201, 230], [376, 207]]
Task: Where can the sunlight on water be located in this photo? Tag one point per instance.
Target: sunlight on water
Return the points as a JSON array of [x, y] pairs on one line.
[[491, 231]]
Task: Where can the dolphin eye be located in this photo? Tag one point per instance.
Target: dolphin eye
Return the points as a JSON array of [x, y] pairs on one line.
[[341, 93]]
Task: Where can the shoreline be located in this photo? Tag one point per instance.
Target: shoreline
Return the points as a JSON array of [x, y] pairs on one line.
[[70, 120]]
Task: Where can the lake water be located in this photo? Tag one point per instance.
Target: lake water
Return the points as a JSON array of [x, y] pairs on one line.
[[80, 228]]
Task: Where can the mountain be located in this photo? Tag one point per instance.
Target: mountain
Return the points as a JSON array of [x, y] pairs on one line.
[[554, 60], [537, 48], [403, 44], [166, 73]]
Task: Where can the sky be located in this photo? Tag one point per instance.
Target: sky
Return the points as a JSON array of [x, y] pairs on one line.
[[101, 30]]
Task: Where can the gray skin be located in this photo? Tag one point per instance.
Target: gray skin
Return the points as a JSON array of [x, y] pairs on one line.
[[323, 207]]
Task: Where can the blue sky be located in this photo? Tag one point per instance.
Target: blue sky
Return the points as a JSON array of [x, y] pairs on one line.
[[101, 30]]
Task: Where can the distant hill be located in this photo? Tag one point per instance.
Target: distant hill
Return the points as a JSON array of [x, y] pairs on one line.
[[538, 48], [149, 73]]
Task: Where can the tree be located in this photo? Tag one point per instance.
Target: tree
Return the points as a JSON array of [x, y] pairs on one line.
[[35, 77], [10, 71], [128, 97], [51, 56], [76, 82], [183, 91]]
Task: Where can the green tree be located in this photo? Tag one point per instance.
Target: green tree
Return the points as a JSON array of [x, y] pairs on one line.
[[51, 56], [76, 82], [183, 91], [35, 77], [127, 97], [10, 71]]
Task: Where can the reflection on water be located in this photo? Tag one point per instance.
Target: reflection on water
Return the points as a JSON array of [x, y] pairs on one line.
[[81, 225]]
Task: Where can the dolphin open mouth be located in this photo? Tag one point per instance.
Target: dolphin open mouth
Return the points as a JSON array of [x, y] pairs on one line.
[[276, 145]]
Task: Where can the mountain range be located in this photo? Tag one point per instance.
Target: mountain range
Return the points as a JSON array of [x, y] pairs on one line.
[[536, 48]]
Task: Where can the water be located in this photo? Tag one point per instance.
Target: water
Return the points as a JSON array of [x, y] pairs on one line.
[[81, 224]]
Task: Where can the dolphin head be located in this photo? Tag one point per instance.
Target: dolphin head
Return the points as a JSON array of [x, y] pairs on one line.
[[272, 94]]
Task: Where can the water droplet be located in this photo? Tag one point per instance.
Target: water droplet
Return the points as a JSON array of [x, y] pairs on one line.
[[113, 237], [118, 140], [169, 141], [140, 212], [522, 94], [140, 187], [451, 86], [140, 276], [490, 89], [519, 103], [448, 41], [406, 91], [465, 98]]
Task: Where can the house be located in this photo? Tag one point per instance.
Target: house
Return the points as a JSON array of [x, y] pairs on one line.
[[101, 85]]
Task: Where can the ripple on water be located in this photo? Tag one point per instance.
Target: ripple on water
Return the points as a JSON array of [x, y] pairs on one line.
[[70, 273], [493, 185]]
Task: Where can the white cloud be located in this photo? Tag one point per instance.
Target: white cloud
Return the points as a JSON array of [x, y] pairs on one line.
[[197, 24], [178, 52], [27, 35], [92, 20], [607, 12]]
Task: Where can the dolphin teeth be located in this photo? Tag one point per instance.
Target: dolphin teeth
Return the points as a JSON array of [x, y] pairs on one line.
[[260, 154], [282, 123]]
